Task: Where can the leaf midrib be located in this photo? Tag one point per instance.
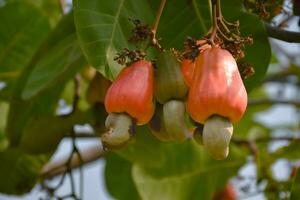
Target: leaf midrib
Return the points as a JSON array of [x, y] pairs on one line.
[[117, 16]]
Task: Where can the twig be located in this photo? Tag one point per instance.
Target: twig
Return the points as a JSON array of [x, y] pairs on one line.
[[51, 191], [279, 77], [155, 42], [281, 34], [56, 168], [238, 140], [253, 102], [158, 15], [76, 96]]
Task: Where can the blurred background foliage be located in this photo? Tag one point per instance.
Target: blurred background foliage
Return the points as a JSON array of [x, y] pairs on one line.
[[51, 52]]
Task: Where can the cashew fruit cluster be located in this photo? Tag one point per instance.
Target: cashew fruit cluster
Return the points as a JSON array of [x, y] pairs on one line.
[[208, 91]]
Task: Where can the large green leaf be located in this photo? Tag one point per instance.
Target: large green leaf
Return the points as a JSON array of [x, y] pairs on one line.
[[60, 62], [188, 173], [118, 178], [21, 33], [37, 140], [143, 143], [38, 89], [176, 171], [18, 171], [103, 28]]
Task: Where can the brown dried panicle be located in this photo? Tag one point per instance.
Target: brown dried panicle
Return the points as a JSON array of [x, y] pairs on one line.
[[126, 56], [140, 32], [191, 48]]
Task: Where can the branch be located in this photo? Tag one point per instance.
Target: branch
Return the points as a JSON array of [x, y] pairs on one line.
[[155, 24], [238, 140], [252, 102], [158, 15], [55, 168], [279, 77], [281, 34], [251, 143]]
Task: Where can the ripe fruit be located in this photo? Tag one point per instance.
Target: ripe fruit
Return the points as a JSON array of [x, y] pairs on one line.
[[227, 193], [217, 98], [217, 87], [129, 100], [132, 92], [188, 66]]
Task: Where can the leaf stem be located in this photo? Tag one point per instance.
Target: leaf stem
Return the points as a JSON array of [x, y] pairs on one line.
[[156, 22], [214, 22], [158, 15]]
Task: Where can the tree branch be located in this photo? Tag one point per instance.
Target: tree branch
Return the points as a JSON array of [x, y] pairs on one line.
[[55, 168], [252, 102], [281, 34], [239, 140]]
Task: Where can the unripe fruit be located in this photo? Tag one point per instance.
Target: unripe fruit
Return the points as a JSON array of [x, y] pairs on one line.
[[198, 132], [217, 87], [216, 137], [169, 81], [173, 114], [132, 92], [157, 125], [168, 123]]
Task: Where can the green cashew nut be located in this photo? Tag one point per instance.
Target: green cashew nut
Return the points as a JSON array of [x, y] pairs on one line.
[[173, 114], [217, 134], [119, 132]]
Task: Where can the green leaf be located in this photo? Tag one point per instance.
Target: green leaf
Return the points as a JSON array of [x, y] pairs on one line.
[[144, 149], [290, 152], [174, 171], [4, 143], [50, 8], [61, 62], [21, 33], [118, 178], [3, 114], [188, 173], [18, 171], [39, 86], [103, 29], [37, 140]]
